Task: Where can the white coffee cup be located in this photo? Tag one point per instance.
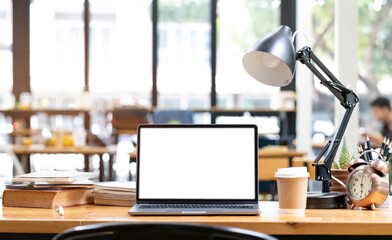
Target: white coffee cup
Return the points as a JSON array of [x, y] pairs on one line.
[[292, 189]]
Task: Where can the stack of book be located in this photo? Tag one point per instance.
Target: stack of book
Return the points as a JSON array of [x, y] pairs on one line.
[[115, 193], [49, 189]]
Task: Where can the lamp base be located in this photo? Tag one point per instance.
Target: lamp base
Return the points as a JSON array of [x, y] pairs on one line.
[[328, 200]]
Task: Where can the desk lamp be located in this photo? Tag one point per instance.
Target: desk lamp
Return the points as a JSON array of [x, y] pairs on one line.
[[271, 60]]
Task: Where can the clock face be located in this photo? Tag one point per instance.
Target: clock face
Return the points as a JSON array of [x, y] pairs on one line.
[[360, 185]]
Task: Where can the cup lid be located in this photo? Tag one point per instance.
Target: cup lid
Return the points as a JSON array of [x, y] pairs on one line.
[[292, 172]]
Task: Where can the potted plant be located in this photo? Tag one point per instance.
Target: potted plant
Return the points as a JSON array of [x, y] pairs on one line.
[[339, 168]]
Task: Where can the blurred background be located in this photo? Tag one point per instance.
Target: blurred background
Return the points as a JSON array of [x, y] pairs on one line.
[[93, 59]]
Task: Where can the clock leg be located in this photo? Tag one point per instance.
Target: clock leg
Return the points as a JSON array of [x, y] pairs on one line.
[[373, 207], [352, 206]]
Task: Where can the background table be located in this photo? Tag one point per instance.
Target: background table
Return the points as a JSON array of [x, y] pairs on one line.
[[334, 222], [289, 154], [270, 161], [23, 151]]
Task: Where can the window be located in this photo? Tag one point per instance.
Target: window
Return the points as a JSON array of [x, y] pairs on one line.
[[375, 58], [120, 52], [323, 47], [184, 69], [241, 24], [57, 46], [5, 46], [121, 49], [375, 55]]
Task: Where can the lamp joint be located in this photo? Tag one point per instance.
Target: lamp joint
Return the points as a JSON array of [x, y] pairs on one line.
[[303, 55], [351, 100]]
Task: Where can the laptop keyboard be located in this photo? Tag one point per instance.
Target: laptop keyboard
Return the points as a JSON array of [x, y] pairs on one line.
[[197, 206]]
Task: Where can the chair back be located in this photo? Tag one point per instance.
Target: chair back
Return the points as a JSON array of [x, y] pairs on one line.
[[172, 116], [126, 119], [129, 117], [152, 231]]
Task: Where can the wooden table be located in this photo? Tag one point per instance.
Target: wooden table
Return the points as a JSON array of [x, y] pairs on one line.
[[23, 151], [315, 222], [269, 161], [290, 154], [27, 113]]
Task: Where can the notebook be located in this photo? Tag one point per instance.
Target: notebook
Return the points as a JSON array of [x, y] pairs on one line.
[[196, 170], [54, 177]]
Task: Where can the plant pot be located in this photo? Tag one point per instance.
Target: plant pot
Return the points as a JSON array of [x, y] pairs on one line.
[[342, 175]]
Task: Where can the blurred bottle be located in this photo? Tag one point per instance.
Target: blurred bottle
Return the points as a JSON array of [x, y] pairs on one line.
[[79, 137], [8, 101], [25, 100], [53, 141], [27, 141], [83, 100], [68, 140]]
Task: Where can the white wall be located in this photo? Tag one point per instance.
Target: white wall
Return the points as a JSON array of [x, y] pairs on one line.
[[346, 60], [304, 80]]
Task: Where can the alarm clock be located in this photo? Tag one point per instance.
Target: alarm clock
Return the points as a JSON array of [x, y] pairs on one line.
[[368, 183]]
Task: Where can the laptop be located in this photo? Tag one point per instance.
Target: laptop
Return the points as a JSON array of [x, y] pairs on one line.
[[197, 170]]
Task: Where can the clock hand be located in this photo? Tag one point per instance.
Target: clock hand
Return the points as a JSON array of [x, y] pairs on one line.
[[362, 183]]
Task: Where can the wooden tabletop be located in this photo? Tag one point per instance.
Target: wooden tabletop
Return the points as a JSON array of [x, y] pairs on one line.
[[53, 150], [319, 222], [281, 154], [24, 112]]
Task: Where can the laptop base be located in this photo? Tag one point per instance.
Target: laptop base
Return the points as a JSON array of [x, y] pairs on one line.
[[137, 211]]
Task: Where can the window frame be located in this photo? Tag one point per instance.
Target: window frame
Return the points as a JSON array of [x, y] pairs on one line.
[[21, 49]]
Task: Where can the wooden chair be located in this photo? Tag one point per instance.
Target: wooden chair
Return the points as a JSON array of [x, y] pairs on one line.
[[126, 119]]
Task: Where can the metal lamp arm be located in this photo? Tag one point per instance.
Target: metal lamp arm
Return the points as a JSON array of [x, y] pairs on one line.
[[341, 92], [348, 99]]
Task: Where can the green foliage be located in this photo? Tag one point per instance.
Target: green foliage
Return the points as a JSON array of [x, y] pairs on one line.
[[345, 157], [323, 26], [264, 17], [374, 35], [244, 22], [374, 29], [375, 15], [181, 11]]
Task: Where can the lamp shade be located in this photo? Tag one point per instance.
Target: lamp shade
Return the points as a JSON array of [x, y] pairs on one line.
[[271, 60]]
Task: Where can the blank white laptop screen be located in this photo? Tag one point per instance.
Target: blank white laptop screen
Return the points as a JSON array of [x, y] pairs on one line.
[[197, 163]]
